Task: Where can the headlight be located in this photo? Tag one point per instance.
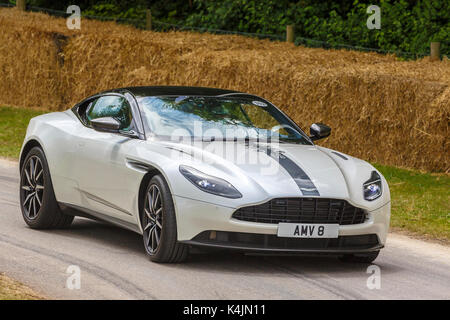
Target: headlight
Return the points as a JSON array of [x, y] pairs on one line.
[[209, 183], [372, 187]]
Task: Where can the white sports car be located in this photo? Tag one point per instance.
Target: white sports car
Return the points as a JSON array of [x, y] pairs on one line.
[[201, 167]]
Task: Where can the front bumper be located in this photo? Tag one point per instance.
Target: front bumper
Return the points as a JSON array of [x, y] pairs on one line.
[[206, 224], [272, 243]]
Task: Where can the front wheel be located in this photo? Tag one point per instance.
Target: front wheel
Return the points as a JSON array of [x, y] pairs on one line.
[[159, 224], [360, 257]]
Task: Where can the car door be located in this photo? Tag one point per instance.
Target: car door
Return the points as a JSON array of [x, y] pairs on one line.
[[100, 161]]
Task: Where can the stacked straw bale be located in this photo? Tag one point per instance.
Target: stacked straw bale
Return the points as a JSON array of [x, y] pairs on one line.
[[380, 109]]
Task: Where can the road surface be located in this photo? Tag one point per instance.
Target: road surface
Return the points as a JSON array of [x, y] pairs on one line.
[[113, 265]]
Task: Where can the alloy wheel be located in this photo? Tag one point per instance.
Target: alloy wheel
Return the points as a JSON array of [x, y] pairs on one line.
[[32, 187], [153, 218]]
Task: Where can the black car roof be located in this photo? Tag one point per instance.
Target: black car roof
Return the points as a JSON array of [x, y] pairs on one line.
[[174, 90]]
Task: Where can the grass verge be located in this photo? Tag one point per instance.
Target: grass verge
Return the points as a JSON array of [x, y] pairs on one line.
[[13, 290], [13, 126], [420, 201]]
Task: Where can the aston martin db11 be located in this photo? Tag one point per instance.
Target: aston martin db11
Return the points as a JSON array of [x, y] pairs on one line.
[[190, 167]]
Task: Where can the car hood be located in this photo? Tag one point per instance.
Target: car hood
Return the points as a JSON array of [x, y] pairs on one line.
[[262, 171]]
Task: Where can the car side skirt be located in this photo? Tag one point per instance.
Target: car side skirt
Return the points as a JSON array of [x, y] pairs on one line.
[[73, 210]]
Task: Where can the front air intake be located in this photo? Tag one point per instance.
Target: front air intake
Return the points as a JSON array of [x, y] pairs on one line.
[[302, 210]]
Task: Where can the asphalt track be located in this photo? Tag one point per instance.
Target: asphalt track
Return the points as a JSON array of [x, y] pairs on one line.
[[113, 265]]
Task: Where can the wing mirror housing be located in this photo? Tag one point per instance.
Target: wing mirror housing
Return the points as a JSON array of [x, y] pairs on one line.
[[319, 131], [106, 124]]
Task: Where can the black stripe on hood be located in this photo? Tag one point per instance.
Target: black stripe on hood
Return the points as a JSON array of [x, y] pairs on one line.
[[302, 180]]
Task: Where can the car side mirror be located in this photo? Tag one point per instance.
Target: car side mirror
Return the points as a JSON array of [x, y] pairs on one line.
[[319, 131], [106, 124]]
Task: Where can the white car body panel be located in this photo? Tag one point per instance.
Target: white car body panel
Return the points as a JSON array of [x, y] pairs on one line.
[[198, 216], [95, 170]]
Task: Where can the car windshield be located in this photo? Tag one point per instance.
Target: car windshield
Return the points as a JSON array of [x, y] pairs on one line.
[[218, 118]]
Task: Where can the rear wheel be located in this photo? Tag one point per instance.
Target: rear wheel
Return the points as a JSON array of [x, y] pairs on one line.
[[159, 224], [37, 198], [360, 257]]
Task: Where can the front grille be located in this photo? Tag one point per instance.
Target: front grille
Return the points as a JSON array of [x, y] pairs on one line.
[[302, 210]]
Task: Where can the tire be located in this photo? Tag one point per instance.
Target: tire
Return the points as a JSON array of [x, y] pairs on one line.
[[159, 222], [360, 258], [39, 207]]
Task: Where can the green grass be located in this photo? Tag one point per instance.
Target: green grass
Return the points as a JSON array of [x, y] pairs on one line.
[[420, 201], [13, 126]]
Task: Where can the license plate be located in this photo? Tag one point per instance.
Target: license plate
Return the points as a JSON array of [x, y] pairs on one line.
[[308, 230]]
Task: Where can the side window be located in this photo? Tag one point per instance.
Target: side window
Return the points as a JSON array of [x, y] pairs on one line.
[[111, 106]]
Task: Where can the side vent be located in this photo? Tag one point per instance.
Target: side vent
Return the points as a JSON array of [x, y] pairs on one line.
[[138, 165]]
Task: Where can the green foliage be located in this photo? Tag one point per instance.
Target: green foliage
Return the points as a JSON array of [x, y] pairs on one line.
[[240, 15], [406, 26], [111, 10]]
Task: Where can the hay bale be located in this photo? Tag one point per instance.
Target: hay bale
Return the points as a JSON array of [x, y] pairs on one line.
[[381, 109]]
